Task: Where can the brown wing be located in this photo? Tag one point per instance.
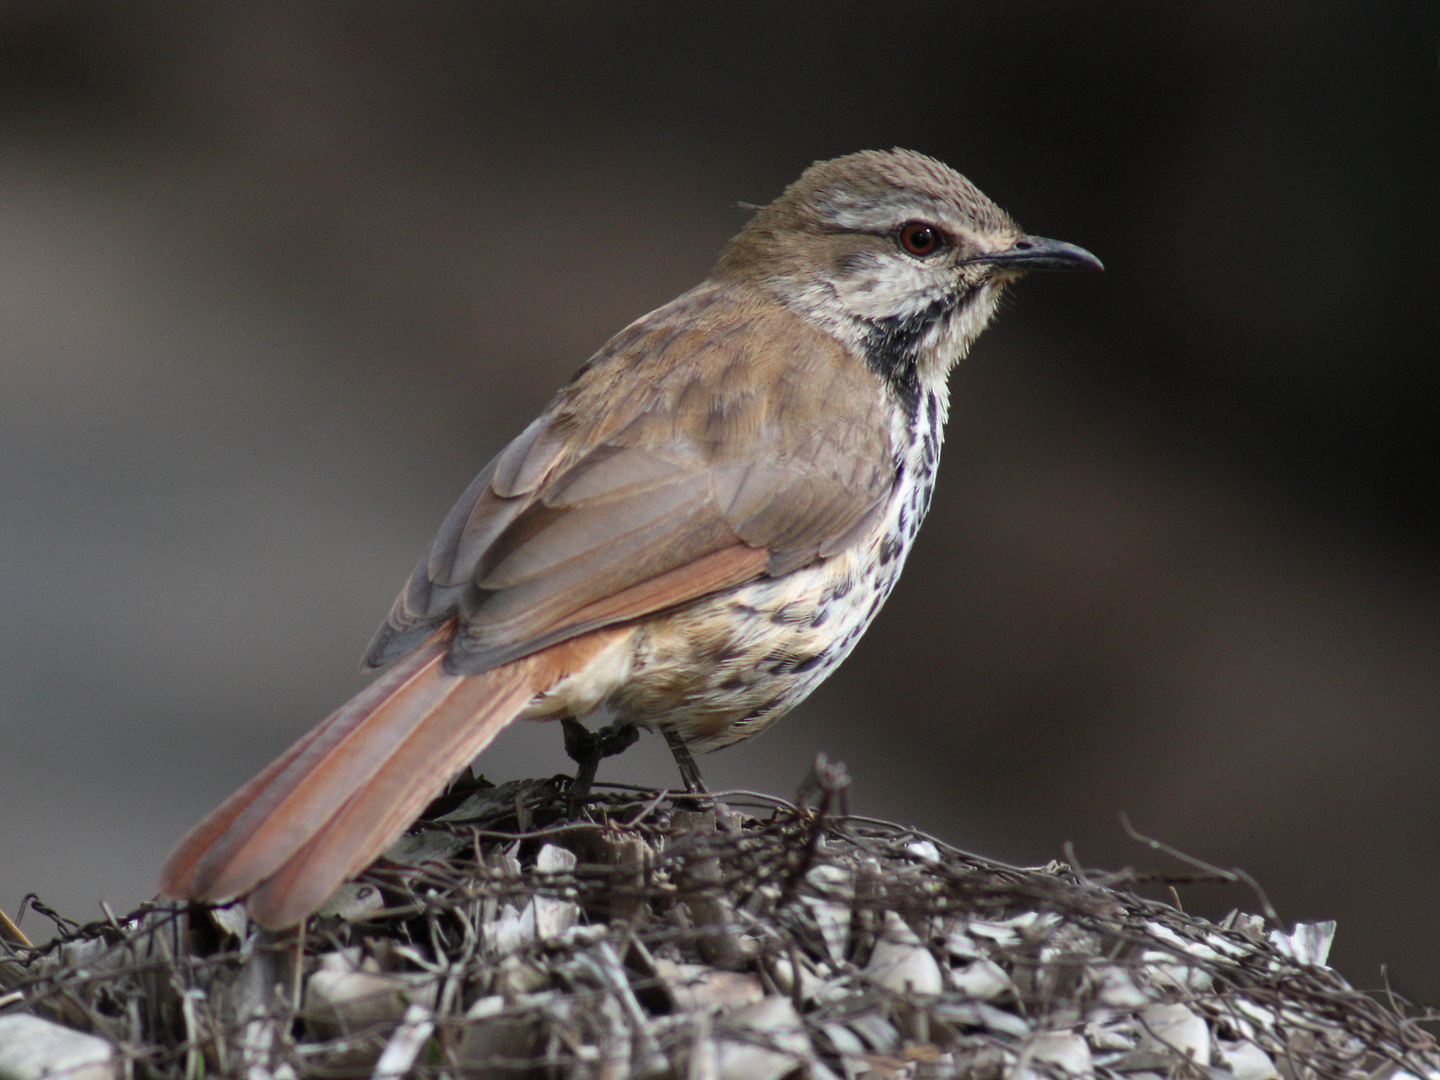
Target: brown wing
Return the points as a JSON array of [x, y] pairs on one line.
[[718, 439]]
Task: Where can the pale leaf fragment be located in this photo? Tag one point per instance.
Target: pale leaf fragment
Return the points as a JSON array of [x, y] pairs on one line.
[[32, 1049], [1065, 1050], [982, 980], [764, 1041], [1308, 943], [1176, 1028], [1246, 1060], [901, 963]]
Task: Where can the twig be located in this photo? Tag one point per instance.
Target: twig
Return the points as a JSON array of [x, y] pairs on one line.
[[1226, 875]]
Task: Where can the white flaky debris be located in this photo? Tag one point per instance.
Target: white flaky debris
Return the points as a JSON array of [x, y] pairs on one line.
[[36, 1049], [982, 980], [232, 919], [832, 916], [764, 1041], [1177, 1029], [1246, 1061], [405, 1044], [960, 944], [348, 994], [1115, 987], [1065, 1050], [552, 917], [356, 901], [497, 1034], [1308, 943], [923, 849], [663, 939], [900, 963]]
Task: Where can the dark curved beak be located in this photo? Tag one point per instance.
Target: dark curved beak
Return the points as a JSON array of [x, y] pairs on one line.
[[1038, 253]]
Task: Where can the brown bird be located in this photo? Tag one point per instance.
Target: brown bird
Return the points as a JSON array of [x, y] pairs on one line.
[[690, 537]]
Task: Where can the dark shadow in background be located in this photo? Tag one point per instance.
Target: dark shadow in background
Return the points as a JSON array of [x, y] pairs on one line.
[[275, 281]]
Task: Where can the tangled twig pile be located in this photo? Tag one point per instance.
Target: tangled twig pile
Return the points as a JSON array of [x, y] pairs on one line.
[[744, 939]]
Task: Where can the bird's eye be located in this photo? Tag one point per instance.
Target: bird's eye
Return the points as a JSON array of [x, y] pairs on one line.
[[919, 238]]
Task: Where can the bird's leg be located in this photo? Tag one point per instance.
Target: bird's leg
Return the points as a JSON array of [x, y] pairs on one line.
[[581, 747], [587, 748], [616, 738], [689, 771]]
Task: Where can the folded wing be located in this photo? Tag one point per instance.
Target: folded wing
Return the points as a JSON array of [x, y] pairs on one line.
[[719, 439]]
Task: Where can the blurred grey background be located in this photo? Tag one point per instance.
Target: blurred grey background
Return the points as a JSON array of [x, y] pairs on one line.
[[275, 280]]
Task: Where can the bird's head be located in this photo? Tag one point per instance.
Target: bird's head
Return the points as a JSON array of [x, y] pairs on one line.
[[891, 249]]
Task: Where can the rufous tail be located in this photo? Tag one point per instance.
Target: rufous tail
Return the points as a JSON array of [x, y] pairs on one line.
[[342, 794]]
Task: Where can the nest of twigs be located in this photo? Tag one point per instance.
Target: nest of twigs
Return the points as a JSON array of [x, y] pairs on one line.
[[739, 938]]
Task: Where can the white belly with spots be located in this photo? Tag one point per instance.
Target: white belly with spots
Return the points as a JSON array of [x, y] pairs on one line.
[[724, 668]]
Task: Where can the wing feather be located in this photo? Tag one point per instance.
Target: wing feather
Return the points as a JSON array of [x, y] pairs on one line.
[[718, 439]]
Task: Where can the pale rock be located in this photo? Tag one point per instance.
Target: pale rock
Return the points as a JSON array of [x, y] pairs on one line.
[[344, 996], [1113, 1035], [1247, 1061], [695, 987], [1065, 1050], [486, 1007], [231, 918], [508, 930], [405, 1044], [764, 1041], [1174, 1027], [1197, 949], [923, 849], [492, 1040], [961, 945], [982, 980], [517, 977], [1115, 987], [783, 973], [33, 1049], [831, 916], [553, 918], [555, 860], [1028, 926], [900, 963]]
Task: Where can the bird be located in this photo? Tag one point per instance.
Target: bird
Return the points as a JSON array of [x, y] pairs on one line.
[[690, 537]]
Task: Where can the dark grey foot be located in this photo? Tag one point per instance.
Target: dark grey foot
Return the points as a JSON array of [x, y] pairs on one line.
[[587, 748], [689, 771]]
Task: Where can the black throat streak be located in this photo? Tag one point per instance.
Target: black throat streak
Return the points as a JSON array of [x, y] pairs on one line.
[[892, 347]]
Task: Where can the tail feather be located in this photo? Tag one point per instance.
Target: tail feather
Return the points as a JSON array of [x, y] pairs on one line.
[[319, 782], [344, 792], [193, 866], [415, 771]]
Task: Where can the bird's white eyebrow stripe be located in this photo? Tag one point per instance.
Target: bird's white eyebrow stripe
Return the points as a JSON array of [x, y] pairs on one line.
[[857, 216]]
